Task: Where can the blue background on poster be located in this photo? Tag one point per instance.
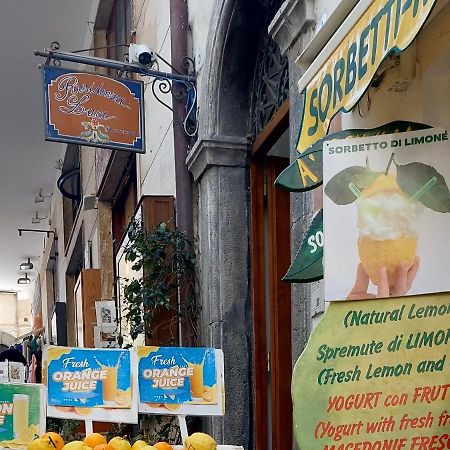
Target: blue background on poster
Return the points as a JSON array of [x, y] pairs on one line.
[[90, 359], [181, 357]]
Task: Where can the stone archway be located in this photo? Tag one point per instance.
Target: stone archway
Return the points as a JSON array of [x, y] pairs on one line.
[[219, 165]]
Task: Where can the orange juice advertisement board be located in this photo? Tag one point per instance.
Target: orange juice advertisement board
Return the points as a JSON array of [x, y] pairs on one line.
[[375, 375], [180, 380], [22, 414], [386, 215], [91, 384]]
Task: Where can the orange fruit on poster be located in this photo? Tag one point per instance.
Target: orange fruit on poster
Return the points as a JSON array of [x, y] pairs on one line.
[[172, 406], [163, 446], [94, 439], [82, 411], [55, 439]]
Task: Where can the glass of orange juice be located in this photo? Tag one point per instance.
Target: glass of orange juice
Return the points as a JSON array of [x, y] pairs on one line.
[[110, 384], [21, 404], [196, 380]]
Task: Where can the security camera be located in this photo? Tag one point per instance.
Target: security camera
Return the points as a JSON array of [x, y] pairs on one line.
[[140, 53]]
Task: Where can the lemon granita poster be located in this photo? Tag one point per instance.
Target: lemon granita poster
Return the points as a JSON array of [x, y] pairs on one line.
[[94, 384], [386, 215]]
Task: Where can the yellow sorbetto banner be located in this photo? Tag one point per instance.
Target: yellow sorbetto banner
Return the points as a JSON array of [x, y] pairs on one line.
[[375, 376], [386, 25]]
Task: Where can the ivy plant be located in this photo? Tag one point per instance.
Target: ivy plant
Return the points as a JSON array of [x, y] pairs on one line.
[[166, 261]]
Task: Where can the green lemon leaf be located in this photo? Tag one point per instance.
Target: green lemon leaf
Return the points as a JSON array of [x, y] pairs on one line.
[[426, 184], [337, 188], [307, 265], [291, 178]]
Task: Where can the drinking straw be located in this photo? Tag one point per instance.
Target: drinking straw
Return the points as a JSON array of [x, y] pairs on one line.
[[354, 190], [427, 186]]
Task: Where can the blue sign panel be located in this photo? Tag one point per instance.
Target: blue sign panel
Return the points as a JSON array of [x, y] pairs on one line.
[[88, 378], [177, 375]]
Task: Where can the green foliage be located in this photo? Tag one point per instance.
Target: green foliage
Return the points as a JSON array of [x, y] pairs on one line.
[[67, 428], [166, 260], [118, 429]]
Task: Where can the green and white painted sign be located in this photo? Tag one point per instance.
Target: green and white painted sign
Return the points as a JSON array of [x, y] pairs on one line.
[[375, 376], [307, 265]]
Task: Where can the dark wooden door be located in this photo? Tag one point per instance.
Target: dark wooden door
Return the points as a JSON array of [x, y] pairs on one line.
[[271, 305]]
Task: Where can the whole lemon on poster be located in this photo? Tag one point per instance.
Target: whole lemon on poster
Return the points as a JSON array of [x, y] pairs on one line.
[[54, 439], [40, 444], [120, 443], [386, 219], [76, 445], [94, 439], [200, 441], [138, 445]]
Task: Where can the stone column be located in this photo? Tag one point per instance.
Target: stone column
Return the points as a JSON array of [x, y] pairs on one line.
[[219, 167]]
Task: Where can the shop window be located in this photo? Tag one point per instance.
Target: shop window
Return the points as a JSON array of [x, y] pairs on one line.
[[151, 210], [69, 184], [125, 203], [74, 269]]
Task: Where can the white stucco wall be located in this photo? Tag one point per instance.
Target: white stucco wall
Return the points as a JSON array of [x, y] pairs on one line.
[[156, 168], [14, 313]]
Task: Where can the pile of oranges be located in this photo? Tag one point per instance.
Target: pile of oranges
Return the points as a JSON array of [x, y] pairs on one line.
[[94, 441]]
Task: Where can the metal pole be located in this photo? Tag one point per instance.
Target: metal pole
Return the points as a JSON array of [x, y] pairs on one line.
[[178, 35], [183, 181], [110, 64]]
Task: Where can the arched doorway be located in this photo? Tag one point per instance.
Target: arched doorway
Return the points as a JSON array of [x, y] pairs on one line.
[[243, 116]]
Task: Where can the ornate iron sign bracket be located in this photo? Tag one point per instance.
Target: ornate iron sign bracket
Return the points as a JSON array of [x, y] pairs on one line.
[[183, 87]]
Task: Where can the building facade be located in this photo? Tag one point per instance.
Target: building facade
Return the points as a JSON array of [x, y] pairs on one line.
[[249, 59]]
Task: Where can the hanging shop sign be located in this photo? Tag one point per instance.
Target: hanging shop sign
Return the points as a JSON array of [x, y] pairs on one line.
[[93, 110], [180, 380], [374, 376], [307, 265], [391, 193], [387, 25], [91, 383], [310, 175], [22, 414]]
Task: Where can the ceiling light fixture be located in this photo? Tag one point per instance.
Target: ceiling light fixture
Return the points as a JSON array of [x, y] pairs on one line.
[[24, 280], [41, 196], [26, 265], [37, 219]]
